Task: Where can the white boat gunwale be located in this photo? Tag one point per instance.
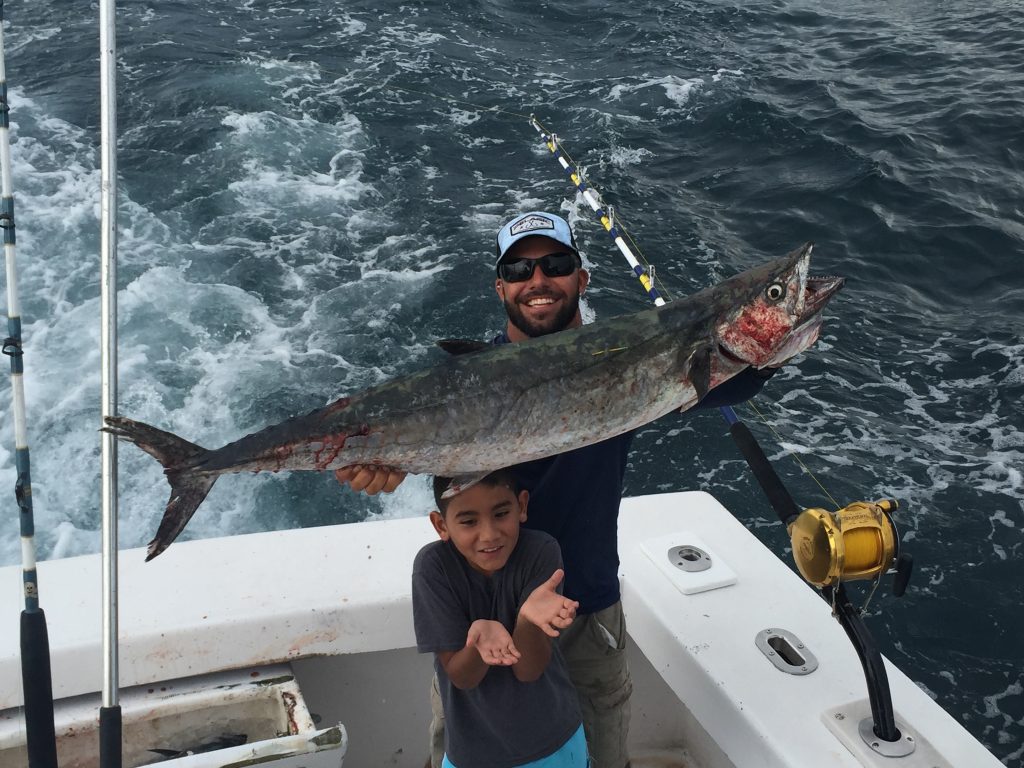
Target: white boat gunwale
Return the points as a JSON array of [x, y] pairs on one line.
[[334, 591]]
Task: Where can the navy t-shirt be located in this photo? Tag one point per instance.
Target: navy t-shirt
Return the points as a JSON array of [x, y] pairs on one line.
[[574, 496], [502, 722]]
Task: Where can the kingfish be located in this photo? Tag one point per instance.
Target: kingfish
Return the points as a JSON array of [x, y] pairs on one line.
[[490, 406]]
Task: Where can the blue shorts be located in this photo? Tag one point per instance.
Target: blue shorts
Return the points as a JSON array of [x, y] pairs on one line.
[[572, 754]]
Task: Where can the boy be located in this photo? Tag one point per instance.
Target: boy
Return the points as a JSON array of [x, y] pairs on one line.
[[485, 603]]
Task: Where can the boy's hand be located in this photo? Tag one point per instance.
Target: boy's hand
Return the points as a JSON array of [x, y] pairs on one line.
[[370, 478], [493, 642], [548, 610]]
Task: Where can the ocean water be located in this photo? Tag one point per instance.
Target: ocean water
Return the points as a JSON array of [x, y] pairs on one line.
[[309, 194]]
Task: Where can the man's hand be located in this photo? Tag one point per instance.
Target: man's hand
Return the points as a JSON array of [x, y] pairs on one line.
[[493, 642], [546, 609], [370, 478]]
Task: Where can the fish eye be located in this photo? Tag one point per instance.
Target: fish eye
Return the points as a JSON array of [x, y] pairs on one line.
[[775, 292]]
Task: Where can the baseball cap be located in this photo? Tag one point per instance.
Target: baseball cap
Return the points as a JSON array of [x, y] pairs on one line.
[[535, 223]]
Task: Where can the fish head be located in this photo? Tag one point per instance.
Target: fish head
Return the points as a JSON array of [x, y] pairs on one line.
[[776, 311]]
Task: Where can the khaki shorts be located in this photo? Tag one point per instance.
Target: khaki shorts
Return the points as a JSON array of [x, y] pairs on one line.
[[594, 648]]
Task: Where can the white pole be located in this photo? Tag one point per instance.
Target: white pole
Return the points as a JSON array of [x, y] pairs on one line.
[[110, 711]]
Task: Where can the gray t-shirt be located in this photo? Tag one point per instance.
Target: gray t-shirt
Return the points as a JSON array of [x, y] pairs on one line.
[[502, 722]]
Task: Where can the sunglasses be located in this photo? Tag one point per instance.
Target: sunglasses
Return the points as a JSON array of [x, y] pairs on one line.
[[552, 265]]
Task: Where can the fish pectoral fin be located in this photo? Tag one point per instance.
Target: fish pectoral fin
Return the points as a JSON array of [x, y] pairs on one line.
[[699, 370], [462, 346]]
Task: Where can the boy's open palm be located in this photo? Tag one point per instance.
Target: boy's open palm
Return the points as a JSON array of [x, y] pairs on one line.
[[493, 642], [548, 610]]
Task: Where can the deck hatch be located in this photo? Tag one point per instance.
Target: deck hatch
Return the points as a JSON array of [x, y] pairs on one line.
[[786, 651]]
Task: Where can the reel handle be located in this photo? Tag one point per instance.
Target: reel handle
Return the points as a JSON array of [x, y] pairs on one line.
[[904, 568]]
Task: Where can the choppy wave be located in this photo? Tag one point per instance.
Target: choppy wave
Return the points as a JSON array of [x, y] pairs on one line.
[[308, 199]]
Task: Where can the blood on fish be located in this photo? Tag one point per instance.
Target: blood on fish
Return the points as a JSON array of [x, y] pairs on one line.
[[334, 443], [758, 327], [281, 454]]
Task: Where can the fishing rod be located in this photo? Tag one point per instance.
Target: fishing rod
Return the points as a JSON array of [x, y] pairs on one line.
[[769, 481], [36, 677], [858, 541]]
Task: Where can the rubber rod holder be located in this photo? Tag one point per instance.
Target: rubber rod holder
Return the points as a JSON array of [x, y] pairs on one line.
[[879, 695]]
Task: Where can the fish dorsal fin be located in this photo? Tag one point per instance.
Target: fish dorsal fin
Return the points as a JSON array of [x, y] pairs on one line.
[[461, 483], [462, 346]]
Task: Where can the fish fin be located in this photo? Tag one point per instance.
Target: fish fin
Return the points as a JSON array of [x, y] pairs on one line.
[[188, 489], [700, 371], [461, 483], [462, 346], [178, 457]]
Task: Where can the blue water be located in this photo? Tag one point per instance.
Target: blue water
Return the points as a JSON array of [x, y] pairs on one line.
[[308, 199]]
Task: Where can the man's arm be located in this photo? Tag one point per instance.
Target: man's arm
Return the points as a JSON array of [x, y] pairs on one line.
[[740, 388]]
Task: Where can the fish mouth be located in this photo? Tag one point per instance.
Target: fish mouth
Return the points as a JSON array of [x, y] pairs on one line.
[[817, 292]]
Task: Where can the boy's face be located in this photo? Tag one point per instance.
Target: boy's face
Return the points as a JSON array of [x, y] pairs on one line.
[[483, 524]]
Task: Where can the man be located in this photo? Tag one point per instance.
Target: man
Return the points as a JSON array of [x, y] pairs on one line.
[[574, 496]]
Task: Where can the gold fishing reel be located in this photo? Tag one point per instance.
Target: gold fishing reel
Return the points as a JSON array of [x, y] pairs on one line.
[[857, 542]]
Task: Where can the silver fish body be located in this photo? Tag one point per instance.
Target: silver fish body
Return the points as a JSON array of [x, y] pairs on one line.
[[502, 405]]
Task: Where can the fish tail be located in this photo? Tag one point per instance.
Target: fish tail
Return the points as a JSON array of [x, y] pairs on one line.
[[179, 458]]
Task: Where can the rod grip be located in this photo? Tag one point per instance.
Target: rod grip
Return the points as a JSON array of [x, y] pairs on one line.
[[769, 481], [37, 684]]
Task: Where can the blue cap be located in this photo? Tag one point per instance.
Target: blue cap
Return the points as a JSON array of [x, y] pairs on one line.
[[535, 223]]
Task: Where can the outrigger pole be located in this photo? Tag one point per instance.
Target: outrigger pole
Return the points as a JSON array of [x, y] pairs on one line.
[[35, 643], [110, 709]]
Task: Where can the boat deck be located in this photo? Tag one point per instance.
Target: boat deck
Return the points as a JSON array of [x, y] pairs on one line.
[[335, 602]]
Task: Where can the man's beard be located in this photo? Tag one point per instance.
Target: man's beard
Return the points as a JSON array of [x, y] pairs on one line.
[[557, 323]]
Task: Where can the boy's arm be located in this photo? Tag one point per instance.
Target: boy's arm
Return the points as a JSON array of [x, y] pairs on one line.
[[540, 618], [536, 651], [487, 644], [464, 668]]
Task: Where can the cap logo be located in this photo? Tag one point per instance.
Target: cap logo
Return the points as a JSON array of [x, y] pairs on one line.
[[530, 223]]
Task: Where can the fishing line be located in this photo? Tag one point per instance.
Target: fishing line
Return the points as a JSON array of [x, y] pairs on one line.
[[793, 454]]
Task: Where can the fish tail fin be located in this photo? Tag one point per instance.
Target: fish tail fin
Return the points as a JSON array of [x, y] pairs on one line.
[[178, 457]]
